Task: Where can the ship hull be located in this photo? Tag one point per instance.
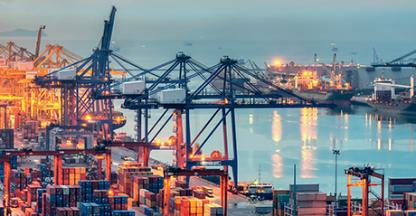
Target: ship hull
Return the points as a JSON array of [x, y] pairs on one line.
[[394, 108], [339, 98]]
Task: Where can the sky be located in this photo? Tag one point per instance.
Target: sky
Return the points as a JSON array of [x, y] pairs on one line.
[[379, 20], [296, 24]]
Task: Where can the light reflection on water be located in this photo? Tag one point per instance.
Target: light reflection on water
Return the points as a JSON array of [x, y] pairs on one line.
[[309, 135], [276, 139], [277, 136], [318, 132]]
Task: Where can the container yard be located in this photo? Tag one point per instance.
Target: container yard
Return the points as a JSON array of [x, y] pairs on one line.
[[65, 149]]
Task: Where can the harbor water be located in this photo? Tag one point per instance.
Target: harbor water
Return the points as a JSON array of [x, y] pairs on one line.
[[271, 141]]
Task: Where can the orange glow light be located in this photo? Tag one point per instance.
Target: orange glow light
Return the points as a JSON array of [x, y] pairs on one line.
[[88, 117], [277, 62]]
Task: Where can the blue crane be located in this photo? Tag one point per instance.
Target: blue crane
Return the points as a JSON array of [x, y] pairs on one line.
[[79, 80]]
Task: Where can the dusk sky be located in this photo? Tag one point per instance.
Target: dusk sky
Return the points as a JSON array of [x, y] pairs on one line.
[[352, 20]]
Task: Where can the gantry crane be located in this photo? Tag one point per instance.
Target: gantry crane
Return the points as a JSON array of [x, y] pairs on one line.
[[364, 175], [177, 172], [17, 53], [77, 81], [223, 88]]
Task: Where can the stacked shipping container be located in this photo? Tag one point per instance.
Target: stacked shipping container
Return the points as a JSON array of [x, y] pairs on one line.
[[72, 175], [59, 196], [151, 183], [88, 187], [399, 186], [312, 203], [126, 172]]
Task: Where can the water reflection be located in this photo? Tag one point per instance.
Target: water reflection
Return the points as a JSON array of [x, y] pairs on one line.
[[276, 127], [277, 136], [412, 138], [309, 135], [308, 126], [384, 130], [389, 122], [251, 122], [277, 165]]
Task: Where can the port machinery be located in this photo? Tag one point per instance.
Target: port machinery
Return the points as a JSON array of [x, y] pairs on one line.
[[364, 179], [88, 88], [25, 100], [15, 52], [221, 89], [77, 81], [178, 172], [399, 62]]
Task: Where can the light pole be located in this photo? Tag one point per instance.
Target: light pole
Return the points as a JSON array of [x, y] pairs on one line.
[[336, 152]]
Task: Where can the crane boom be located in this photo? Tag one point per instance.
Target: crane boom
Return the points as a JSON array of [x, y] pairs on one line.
[[38, 41], [402, 57]]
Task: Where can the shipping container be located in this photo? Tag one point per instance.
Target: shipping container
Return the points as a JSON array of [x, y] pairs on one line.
[[89, 209], [133, 87], [394, 213], [123, 213], [213, 210], [66, 74], [118, 202], [87, 188], [6, 138], [72, 175], [172, 96]]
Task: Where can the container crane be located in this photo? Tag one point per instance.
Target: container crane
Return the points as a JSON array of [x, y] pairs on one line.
[[78, 80], [223, 88], [17, 53]]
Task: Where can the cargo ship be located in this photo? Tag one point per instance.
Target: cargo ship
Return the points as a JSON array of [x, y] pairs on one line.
[[385, 99], [256, 190], [313, 82]]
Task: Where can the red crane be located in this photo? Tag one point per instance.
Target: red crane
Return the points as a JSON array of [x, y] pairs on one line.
[[364, 175], [170, 172]]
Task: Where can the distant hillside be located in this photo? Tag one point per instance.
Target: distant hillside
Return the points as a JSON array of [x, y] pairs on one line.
[[20, 33]]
